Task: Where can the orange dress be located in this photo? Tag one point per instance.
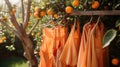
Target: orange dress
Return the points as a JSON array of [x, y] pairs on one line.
[[69, 54], [91, 51], [47, 47], [82, 56], [61, 37], [53, 42]]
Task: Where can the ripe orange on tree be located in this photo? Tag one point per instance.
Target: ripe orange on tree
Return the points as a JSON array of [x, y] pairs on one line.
[[4, 38], [50, 11], [68, 9], [56, 16], [4, 18], [95, 5], [115, 61], [42, 13], [37, 9], [1, 41], [75, 3], [36, 14]]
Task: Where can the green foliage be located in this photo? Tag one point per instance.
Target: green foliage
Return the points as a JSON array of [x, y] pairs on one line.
[[11, 47], [13, 62], [108, 37], [8, 39]]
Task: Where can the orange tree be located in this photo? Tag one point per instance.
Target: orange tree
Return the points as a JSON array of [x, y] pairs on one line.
[[25, 23], [10, 17]]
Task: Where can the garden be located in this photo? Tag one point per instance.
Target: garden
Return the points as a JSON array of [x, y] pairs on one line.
[[58, 33]]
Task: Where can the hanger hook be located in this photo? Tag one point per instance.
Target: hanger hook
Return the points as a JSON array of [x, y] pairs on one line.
[[91, 19]]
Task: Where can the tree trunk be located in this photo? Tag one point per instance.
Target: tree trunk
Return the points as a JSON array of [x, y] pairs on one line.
[[29, 51]]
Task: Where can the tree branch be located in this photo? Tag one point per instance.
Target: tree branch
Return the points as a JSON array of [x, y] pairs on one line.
[[27, 17], [13, 18], [22, 10], [9, 5], [22, 30], [17, 33], [33, 27], [8, 27]]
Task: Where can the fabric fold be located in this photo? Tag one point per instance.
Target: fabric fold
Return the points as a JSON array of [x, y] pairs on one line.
[[91, 51], [69, 55]]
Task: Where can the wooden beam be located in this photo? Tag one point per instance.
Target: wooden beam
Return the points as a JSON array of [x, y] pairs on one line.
[[105, 12]]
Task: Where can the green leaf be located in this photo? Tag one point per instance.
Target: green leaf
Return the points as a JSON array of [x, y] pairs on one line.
[[108, 37], [118, 23], [84, 1]]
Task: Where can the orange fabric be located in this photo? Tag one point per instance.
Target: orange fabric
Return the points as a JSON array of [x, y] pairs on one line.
[[48, 41], [77, 36], [70, 51], [60, 50], [61, 34], [52, 45], [98, 38], [91, 52], [47, 47], [61, 37], [82, 57], [44, 60]]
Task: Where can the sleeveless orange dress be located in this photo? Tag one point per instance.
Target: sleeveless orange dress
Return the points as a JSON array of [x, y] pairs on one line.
[[69, 55], [53, 42], [47, 47], [91, 51]]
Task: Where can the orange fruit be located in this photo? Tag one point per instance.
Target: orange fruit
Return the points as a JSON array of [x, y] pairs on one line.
[[4, 18], [56, 16], [37, 9], [68, 9], [1, 41], [50, 11], [95, 4], [4, 38], [115, 61], [75, 3], [42, 13], [36, 14]]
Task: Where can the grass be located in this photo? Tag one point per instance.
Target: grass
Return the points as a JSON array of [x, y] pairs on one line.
[[13, 62]]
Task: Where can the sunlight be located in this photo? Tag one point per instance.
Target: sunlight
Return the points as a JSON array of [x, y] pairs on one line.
[[12, 1]]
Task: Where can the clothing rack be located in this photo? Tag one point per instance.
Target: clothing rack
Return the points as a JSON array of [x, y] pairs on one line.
[[101, 12]]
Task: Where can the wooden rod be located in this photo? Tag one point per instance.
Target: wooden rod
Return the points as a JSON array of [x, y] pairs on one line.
[[105, 12]]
